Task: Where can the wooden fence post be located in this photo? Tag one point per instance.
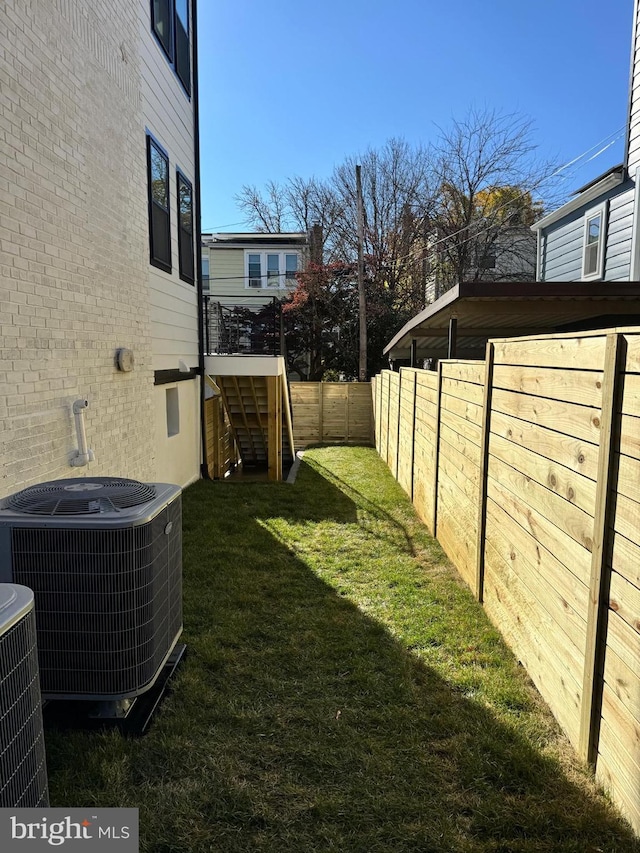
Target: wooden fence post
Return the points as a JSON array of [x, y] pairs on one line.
[[413, 426], [397, 462], [347, 419], [321, 412], [434, 525], [386, 450], [600, 579], [374, 414], [484, 467]]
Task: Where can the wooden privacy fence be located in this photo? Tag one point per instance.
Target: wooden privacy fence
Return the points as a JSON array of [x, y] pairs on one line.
[[527, 469], [331, 412]]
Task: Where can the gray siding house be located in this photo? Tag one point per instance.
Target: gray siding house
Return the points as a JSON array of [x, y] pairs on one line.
[[594, 236]]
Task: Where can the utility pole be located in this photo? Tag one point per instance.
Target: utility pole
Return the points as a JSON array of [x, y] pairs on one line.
[[362, 305]]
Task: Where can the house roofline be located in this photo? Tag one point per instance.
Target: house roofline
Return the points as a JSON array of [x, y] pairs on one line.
[[255, 237], [610, 179]]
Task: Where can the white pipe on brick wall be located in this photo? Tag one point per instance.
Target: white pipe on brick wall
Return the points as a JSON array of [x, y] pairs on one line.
[[83, 455]]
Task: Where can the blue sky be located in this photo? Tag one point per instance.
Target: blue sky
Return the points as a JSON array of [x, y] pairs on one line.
[[292, 88]]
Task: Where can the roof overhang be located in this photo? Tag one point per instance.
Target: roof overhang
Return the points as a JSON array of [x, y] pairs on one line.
[[236, 240], [587, 194], [482, 311]]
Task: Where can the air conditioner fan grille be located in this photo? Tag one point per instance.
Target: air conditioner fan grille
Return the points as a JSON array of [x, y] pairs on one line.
[[81, 496]]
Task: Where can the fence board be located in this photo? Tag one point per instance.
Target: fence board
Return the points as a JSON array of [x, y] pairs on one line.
[[531, 647], [633, 350], [621, 679], [515, 544], [579, 353], [394, 418], [580, 456], [467, 371], [463, 390], [406, 434], [571, 553], [538, 438], [452, 535], [577, 421], [619, 753], [559, 512], [465, 480], [576, 386], [332, 412], [570, 485], [626, 558], [538, 596], [471, 412]]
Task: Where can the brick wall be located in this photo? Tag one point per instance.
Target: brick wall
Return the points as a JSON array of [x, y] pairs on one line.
[[74, 269]]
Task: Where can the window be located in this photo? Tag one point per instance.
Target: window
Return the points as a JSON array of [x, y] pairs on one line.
[[593, 254], [486, 259], [161, 24], [271, 269], [254, 271], [158, 188], [183, 59], [185, 228], [290, 268], [170, 25], [205, 274], [173, 412]]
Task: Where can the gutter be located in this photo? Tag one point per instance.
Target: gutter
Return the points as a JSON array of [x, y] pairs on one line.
[[204, 471]]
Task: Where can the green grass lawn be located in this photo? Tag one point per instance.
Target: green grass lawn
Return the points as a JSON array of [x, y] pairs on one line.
[[342, 692]]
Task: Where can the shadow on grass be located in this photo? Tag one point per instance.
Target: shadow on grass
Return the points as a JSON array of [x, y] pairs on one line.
[[299, 724]]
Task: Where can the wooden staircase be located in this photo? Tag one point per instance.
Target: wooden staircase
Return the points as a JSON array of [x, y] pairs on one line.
[[259, 413]]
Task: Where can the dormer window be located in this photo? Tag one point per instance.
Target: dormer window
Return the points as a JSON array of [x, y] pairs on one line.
[[594, 239]]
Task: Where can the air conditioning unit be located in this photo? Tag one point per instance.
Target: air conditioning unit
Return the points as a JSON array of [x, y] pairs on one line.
[[103, 557], [23, 771]]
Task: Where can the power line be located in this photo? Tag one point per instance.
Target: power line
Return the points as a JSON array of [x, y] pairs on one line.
[[214, 228], [606, 142], [535, 186]]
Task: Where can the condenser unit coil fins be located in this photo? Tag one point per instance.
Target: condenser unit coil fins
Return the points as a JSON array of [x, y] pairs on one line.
[[23, 772], [103, 557]]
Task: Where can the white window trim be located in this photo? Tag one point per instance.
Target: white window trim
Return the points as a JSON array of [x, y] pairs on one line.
[[600, 210], [282, 284]]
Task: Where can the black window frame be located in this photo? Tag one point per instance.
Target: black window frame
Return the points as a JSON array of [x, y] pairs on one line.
[[156, 212], [185, 275], [182, 48], [167, 44], [177, 45]]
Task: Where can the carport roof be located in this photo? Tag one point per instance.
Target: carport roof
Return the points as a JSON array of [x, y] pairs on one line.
[[504, 309]]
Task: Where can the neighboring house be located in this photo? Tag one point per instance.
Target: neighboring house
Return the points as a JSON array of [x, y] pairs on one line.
[[98, 280], [509, 255], [594, 236], [247, 265], [246, 275]]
